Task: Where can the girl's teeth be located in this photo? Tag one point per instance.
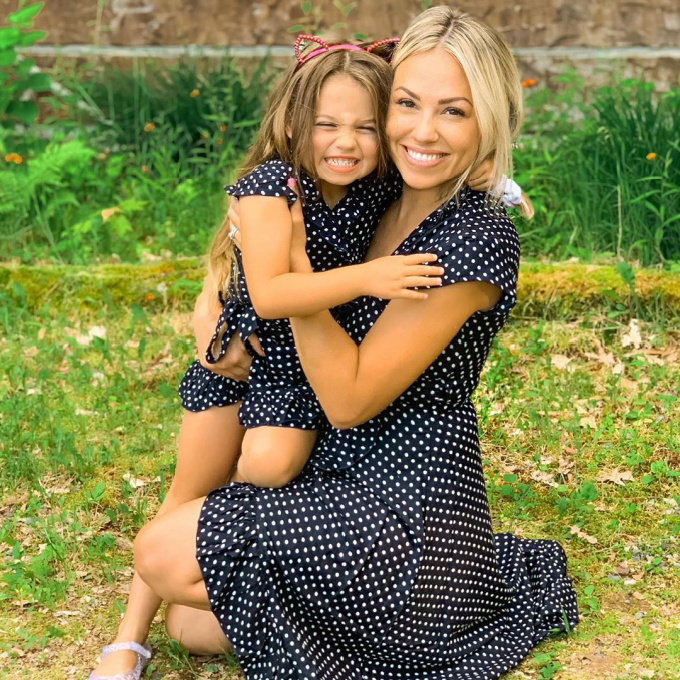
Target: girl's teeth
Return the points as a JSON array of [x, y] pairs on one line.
[[423, 156], [341, 161]]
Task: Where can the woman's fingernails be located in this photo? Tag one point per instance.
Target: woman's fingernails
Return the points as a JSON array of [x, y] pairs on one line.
[[291, 182]]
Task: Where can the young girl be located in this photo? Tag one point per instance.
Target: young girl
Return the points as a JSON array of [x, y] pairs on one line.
[[324, 126]]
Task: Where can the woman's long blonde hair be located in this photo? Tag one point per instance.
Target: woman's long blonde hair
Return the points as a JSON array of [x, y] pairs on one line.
[[494, 82], [288, 125]]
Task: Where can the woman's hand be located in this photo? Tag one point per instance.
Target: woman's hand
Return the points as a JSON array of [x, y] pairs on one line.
[[234, 216], [299, 260], [235, 364], [393, 277]]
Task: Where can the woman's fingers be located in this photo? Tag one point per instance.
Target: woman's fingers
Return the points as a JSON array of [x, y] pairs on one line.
[[233, 213], [255, 344]]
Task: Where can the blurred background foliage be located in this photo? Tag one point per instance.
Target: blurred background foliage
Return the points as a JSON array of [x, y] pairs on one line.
[[99, 164]]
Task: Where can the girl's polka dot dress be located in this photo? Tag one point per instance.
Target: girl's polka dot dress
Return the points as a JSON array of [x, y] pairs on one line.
[[379, 562], [277, 392]]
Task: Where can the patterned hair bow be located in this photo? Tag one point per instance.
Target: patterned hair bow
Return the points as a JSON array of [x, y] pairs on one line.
[[382, 48]]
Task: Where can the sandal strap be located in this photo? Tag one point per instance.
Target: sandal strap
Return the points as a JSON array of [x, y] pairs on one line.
[[142, 650]]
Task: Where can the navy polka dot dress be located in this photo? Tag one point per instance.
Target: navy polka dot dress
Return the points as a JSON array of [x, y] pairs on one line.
[[379, 562], [277, 393]]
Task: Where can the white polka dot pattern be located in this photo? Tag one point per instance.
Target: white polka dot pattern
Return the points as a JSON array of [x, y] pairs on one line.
[[278, 393], [379, 562]]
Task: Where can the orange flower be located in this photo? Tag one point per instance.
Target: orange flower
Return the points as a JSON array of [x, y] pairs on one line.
[[219, 140], [529, 82], [14, 158], [223, 128], [145, 168], [149, 126], [108, 213], [194, 93], [148, 296], [650, 156]]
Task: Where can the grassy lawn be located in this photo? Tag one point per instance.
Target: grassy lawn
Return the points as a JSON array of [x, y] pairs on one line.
[[579, 417]]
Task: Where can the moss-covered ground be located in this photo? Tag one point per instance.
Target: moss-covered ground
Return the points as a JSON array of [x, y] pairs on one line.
[[579, 410]]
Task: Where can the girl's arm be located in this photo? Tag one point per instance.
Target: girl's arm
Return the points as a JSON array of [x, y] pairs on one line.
[[276, 292], [354, 383]]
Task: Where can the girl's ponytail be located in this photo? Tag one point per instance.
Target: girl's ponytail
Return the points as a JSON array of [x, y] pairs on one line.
[[526, 207]]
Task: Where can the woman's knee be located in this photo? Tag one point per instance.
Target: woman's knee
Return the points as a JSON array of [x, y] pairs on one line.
[[149, 556]]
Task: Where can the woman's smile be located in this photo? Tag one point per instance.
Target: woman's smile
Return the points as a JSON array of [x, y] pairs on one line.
[[432, 127]]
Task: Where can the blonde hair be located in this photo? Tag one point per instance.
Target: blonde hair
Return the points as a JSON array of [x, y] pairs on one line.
[[494, 82], [288, 125]]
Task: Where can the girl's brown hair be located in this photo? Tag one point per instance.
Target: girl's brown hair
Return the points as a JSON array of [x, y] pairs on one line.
[[288, 125]]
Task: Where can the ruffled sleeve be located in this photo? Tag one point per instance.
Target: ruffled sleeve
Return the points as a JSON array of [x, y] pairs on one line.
[[268, 179], [481, 247]]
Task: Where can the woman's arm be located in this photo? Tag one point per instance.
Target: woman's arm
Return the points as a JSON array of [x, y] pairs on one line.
[[354, 383], [276, 292]]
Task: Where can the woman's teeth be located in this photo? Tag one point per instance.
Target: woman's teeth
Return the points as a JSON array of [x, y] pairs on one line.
[[423, 156], [342, 162]]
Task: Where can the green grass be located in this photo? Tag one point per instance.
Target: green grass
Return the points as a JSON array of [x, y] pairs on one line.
[[565, 411]]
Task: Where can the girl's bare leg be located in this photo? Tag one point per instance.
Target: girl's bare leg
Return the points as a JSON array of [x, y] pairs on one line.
[[196, 630], [209, 443], [273, 456]]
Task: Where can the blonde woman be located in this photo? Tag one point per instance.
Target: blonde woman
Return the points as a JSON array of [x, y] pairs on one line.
[[378, 561]]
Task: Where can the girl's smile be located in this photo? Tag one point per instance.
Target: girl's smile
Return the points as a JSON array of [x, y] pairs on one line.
[[345, 138]]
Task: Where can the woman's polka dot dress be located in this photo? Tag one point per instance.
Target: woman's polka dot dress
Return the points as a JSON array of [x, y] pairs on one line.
[[379, 562], [278, 393]]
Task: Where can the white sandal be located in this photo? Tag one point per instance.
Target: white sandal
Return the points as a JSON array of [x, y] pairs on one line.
[[143, 655]]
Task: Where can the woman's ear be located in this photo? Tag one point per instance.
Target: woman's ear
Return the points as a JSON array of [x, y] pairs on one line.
[[289, 132]]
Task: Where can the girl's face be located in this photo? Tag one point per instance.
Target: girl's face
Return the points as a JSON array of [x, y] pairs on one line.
[[345, 139], [432, 129]]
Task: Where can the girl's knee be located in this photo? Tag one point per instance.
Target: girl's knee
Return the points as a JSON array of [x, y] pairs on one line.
[[260, 464]]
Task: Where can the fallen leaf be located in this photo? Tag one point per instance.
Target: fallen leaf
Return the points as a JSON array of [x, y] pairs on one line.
[[559, 361], [629, 384], [588, 421], [134, 482], [632, 337], [577, 531], [544, 478], [616, 476]]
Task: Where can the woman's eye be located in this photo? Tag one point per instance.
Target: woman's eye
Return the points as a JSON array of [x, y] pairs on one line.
[[367, 128], [326, 125], [451, 111], [408, 103]]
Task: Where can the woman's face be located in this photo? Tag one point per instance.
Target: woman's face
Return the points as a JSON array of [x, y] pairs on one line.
[[432, 129]]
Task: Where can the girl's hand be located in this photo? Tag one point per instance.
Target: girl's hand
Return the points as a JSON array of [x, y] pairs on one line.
[[394, 276], [480, 177]]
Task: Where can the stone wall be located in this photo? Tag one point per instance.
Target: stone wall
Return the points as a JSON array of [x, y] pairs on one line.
[[646, 32]]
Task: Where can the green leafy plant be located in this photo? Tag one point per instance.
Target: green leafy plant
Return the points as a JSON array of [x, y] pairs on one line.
[[17, 75]]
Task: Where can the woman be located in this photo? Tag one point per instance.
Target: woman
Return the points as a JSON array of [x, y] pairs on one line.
[[379, 560]]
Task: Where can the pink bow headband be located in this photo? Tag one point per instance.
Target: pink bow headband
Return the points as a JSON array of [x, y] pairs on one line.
[[325, 47]]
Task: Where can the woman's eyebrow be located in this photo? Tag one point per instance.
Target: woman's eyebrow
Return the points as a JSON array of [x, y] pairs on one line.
[[413, 95]]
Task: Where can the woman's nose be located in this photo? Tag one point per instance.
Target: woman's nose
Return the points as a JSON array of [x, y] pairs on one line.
[[425, 129]]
